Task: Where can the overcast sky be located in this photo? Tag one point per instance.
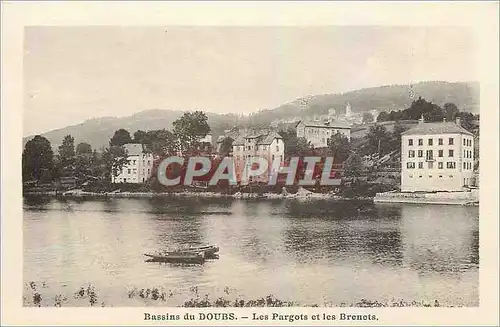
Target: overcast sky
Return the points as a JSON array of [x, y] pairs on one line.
[[73, 74]]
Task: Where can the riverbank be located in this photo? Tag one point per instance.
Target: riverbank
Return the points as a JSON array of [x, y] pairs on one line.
[[40, 295], [470, 197], [301, 195]]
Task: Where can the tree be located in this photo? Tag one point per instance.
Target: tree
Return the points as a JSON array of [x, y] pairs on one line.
[[163, 142], [114, 158], [37, 160], [378, 140], [367, 118], [339, 147], [83, 148], [466, 120], [190, 129], [396, 136], [142, 137], [120, 138], [227, 146], [353, 166], [450, 111], [295, 146], [383, 116]]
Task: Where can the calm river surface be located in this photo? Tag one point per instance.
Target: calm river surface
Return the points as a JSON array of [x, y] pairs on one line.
[[309, 252]]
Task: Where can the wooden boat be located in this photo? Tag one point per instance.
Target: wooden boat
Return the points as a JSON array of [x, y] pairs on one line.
[[173, 257], [207, 250]]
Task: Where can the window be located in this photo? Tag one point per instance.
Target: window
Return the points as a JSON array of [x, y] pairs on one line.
[[465, 165], [420, 176], [420, 165], [430, 165], [420, 142], [440, 153], [440, 176], [410, 165], [273, 157], [450, 165], [465, 153], [451, 176], [450, 153], [440, 165], [134, 162], [429, 155], [430, 176], [124, 180], [411, 154], [278, 147], [135, 171], [429, 141], [411, 176], [450, 141], [420, 153], [129, 171], [149, 171], [465, 142], [410, 142], [440, 141]]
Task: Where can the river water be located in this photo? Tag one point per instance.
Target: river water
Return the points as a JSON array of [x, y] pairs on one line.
[[316, 252]]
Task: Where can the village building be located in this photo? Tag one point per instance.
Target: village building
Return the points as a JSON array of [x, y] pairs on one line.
[[318, 132], [139, 166], [268, 145], [437, 157]]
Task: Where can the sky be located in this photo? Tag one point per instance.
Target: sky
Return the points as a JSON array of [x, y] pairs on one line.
[[76, 73]]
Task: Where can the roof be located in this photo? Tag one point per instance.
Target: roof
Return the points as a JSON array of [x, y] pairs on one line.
[[262, 138], [268, 139], [436, 128], [331, 124], [134, 149]]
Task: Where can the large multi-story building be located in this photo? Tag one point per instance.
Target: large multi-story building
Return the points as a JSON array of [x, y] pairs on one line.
[[437, 157], [267, 145], [139, 166], [318, 132]]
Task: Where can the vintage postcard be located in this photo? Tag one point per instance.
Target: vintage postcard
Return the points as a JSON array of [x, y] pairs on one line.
[[250, 163]]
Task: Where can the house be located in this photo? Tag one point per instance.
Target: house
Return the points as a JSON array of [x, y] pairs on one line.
[[318, 132], [139, 166], [268, 145], [437, 157]]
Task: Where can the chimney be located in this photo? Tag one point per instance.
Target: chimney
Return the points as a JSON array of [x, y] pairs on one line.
[[421, 120], [457, 121]]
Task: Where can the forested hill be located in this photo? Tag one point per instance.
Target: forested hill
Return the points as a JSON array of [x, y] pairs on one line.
[[98, 131], [465, 95]]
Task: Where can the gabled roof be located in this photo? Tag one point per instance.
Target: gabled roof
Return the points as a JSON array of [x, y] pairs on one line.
[[436, 128], [134, 149], [268, 139]]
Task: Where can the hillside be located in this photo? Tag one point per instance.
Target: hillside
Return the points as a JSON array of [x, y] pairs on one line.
[[384, 98]]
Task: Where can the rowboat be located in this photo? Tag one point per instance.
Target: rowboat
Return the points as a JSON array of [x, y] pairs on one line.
[[209, 250], [173, 257]]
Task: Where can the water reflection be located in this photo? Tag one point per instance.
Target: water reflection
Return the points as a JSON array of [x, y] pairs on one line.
[[321, 248]]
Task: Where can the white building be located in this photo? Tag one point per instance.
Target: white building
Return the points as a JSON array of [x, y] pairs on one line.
[[318, 133], [139, 167], [268, 145], [437, 157]]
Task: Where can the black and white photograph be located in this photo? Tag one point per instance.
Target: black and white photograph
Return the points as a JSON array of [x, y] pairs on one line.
[[169, 166]]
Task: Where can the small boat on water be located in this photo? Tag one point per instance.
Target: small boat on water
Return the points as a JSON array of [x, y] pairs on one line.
[[171, 257], [191, 254], [208, 250]]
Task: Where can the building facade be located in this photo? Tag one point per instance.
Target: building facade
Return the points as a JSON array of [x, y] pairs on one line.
[[437, 157], [269, 146], [318, 133], [139, 166]]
